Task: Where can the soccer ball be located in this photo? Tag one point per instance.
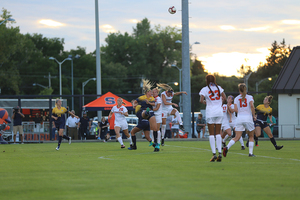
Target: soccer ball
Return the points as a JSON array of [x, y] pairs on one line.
[[172, 10]]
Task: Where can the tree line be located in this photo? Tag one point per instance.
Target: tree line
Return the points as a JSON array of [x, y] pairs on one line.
[[126, 58]]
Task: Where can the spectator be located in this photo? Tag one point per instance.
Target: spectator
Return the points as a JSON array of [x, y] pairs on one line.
[[111, 122], [72, 126], [17, 117], [168, 127], [103, 129], [271, 125], [200, 125], [84, 125], [38, 121], [175, 127]]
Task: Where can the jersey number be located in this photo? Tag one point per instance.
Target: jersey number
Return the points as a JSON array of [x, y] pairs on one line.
[[243, 104], [212, 95], [110, 100]]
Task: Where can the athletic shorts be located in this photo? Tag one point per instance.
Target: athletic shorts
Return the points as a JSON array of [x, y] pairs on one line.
[[122, 124], [261, 124], [242, 126], [175, 130], [214, 120], [225, 127], [144, 125], [18, 128], [158, 118], [60, 126], [232, 125], [166, 112]]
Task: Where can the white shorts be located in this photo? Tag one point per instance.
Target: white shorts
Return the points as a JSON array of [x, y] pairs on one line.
[[225, 127], [214, 120], [232, 125], [122, 124], [158, 118], [166, 112], [249, 126]]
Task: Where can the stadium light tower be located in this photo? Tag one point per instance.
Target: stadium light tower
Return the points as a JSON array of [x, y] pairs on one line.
[[83, 84], [8, 19]]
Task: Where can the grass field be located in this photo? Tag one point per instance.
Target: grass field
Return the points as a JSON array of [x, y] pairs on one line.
[[181, 170]]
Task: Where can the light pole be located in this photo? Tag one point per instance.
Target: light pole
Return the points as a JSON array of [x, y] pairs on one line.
[[173, 65], [83, 84], [76, 57], [8, 19], [259, 82], [49, 78], [179, 42], [52, 58], [36, 84], [246, 77]]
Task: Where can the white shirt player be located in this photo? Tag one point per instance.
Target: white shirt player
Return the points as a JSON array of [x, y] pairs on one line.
[[158, 101], [213, 102], [244, 108], [119, 111], [168, 100], [233, 117], [226, 116]]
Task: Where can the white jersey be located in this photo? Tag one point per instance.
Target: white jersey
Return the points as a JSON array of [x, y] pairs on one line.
[[168, 100], [244, 108], [233, 116], [213, 102], [225, 114], [119, 111], [158, 101]]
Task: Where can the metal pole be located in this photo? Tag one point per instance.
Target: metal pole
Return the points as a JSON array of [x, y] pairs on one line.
[[98, 63], [72, 84], [186, 85], [83, 94], [60, 89], [180, 107]]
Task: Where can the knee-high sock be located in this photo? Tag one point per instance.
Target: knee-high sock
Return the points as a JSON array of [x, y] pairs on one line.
[[219, 143], [178, 117], [158, 136], [241, 141], [212, 143], [256, 139], [65, 137], [130, 139], [231, 142], [251, 144], [151, 134], [120, 140], [155, 136], [225, 138], [133, 140], [59, 140], [163, 130], [273, 141]]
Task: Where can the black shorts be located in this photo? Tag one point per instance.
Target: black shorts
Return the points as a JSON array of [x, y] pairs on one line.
[[261, 124]]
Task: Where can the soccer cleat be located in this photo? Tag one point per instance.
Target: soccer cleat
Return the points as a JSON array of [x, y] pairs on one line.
[[156, 149], [219, 159], [214, 158], [243, 148], [122, 146], [257, 145], [57, 148], [132, 147], [157, 146], [278, 147], [181, 127], [251, 155], [162, 142], [70, 140], [151, 144], [225, 150]]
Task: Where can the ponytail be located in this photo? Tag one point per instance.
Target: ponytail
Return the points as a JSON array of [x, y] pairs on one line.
[[270, 97], [211, 79], [243, 90]]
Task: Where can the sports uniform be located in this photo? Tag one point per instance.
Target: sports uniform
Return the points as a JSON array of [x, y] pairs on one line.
[[167, 109], [120, 120], [158, 113], [244, 118], [262, 115], [225, 122]]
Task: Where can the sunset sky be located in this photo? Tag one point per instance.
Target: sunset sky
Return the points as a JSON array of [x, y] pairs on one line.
[[231, 33]]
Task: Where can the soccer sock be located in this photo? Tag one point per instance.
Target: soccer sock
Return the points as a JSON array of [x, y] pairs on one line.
[[120, 140], [251, 144], [225, 138], [151, 134], [65, 137], [256, 139], [59, 140], [178, 117], [130, 139], [212, 143], [231, 142], [158, 136], [241, 141], [163, 130], [133, 140], [273, 141], [155, 136], [219, 143]]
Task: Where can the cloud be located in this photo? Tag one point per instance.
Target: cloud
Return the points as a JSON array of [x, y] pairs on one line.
[[108, 28], [258, 28], [291, 22], [51, 23], [227, 27]]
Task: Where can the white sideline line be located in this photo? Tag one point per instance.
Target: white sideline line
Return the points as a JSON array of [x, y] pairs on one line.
[[236, 153], [105, 157]]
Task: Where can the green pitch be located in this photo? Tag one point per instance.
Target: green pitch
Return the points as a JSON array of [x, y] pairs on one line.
[[181, 170]]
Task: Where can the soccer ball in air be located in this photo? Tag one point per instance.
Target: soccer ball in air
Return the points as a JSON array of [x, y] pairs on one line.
[[172, 10]]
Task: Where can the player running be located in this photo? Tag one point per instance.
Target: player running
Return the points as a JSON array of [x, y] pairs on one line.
[[120, 112], [263, 111], [244, 106], [212, 95], [167, 108]]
